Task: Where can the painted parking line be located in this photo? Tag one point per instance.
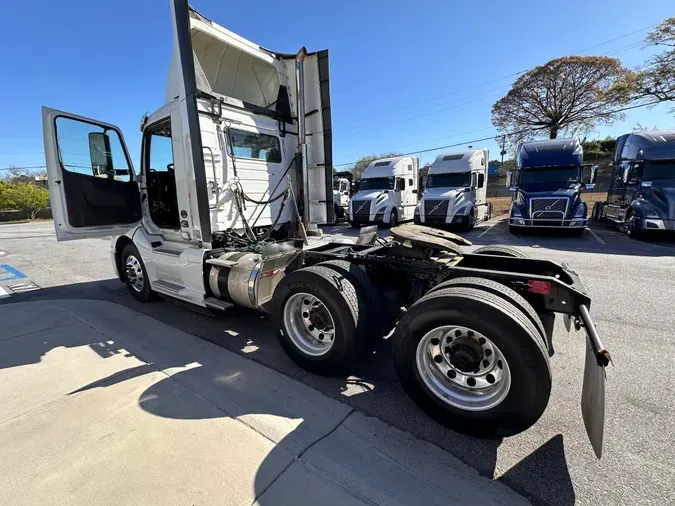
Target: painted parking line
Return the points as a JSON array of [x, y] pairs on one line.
[[9, 273], [488, 229], [26, 286], [596, 236]]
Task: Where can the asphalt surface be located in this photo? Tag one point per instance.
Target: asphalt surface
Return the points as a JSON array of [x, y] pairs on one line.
[[633, 295]]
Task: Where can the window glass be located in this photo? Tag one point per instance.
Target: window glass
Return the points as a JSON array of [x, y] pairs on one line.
[[456, 180], [448, 158], [382, 164], [161, 152], [377, 183], [410, 182], [255, 145], [91, 150]]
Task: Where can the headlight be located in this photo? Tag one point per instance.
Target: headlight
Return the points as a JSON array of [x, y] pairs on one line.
[[580, 212]]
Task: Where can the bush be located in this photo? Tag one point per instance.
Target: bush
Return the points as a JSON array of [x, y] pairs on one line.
[[23, 197]]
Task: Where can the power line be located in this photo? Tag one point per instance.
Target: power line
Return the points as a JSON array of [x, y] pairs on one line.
[[514, 74], [509, 134]]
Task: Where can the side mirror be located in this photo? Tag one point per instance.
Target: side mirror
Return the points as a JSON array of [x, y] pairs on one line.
[[594, 175], [509, 176], [100, 154]]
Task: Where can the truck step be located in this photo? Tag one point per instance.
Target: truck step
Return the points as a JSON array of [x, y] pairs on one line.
[[166, 286], [220, 305]]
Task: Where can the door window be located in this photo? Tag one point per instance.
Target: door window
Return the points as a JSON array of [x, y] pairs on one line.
[[255, 145], [91, 150], [160, 176]]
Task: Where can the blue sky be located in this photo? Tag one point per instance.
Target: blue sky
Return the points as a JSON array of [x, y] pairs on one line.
[[405, 76]]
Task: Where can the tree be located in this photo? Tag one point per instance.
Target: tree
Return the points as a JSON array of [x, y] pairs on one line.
[[23, 197], [364, 161], [656, 81], [566, 95]]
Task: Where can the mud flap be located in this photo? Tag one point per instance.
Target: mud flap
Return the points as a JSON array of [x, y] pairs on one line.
[[593, 399]]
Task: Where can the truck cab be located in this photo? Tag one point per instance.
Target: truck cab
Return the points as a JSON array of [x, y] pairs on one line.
[[547, 186], [342, 187], [456, 190], [387, 192], [641, 196], [220, 161]]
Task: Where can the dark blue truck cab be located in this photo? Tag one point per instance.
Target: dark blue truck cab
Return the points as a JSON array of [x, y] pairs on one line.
[[641, 196], [546, 186]]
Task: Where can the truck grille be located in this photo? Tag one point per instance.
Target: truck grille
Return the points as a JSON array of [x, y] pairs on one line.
[[549, 207], [436, 208], [361, 210]]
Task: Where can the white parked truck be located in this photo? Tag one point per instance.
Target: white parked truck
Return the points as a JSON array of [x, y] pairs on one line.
[[216, 215], [456, 190], [387, 192], [342, 188]]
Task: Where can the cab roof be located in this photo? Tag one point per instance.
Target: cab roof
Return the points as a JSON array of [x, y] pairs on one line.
[[655, 144], [550, 153], [459, 161]]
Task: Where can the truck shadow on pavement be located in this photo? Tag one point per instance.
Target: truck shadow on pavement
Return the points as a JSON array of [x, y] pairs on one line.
[[542, 476]]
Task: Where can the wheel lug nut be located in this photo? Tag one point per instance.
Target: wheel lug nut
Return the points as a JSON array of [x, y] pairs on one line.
[[486, 363], [481, 341], [458, 333], [451, 374], [471, 382], [488, 353], [490, 378], [447, 350], [438, 359], [320, 337], [449, 339], [305, 314], [470, 333]]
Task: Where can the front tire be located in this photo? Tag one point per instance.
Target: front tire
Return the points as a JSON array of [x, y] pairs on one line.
[[135, 274], [634, 227], [473, 361]]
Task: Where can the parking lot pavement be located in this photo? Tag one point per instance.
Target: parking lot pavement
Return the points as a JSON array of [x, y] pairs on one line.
[[630, 283], [103, 405]]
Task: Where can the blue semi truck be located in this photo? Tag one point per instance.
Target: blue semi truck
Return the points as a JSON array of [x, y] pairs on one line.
[[546, 186]]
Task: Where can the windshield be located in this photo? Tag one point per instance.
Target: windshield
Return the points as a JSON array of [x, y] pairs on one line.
[[564, 175], [659, 170], [377, 183], [449, 180]]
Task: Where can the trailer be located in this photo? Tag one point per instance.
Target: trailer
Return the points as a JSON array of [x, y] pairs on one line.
[[220, 214], [456, 191], [387, 192], [641, 196]]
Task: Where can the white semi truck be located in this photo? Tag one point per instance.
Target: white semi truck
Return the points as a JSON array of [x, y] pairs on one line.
[[456, 190], [387, 192], [236, 167]]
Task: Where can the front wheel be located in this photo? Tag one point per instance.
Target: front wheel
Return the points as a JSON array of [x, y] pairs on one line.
[[634, 226], [135, 275], [473, 361]]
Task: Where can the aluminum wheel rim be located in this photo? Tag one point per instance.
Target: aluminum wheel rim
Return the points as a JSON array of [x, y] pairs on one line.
[[309, 324], [443, 361], [134, 271]]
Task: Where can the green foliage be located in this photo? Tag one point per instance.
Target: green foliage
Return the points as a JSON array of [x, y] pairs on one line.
[[599, 148], [23, 197], [656, 81], [567, 96], [364, 161]]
